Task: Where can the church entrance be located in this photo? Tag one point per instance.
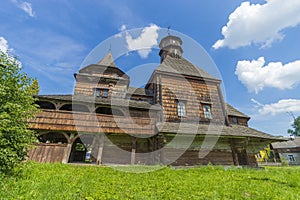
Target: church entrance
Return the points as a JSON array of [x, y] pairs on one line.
[[81, 150]]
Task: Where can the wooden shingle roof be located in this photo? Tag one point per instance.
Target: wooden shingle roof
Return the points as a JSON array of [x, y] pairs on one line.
[[98, 100], [287, 145], [231, 111], [139, 91], [57, 120], [182, 66], [214, 130], [107, 60]]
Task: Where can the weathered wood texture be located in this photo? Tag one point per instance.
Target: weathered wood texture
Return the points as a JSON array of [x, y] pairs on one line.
[[191, 157], [87, 88], [48, 153], [91, 122], [195, 93]]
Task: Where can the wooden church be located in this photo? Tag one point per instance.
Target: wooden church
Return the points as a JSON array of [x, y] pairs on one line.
[[179, 118]]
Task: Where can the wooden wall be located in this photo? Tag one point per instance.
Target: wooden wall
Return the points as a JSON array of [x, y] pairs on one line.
[[191, 157], [47, 153], [196, 93], [86, 87]]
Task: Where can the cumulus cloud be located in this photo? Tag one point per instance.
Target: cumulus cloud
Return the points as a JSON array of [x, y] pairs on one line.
[[255, 75], [25, 6], [260, 24], [3, 44], [4, 47], [282, 106], [144, 42]]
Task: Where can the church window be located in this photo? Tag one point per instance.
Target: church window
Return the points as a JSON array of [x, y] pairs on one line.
[[99, 92], [181, 109], [207, 112]]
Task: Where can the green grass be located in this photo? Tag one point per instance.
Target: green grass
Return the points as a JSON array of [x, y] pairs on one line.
[[58, 181]]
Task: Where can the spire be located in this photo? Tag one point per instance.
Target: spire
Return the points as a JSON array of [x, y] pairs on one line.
[[108, 60]]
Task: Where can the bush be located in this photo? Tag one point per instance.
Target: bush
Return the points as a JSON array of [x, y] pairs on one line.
[[16, 107]]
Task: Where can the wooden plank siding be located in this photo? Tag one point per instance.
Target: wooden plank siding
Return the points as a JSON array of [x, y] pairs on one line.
[[196, 93], [91, 122], [47, 153]]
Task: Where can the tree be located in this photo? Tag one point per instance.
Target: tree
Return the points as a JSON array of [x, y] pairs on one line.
[[296, 127], [16, 108]]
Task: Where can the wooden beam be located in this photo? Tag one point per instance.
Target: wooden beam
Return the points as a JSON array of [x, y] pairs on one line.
[[133, 151], [161, 142], [100, 150]]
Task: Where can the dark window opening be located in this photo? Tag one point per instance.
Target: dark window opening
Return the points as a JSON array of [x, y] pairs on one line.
[[53, 137], [234, 120], [46, 105], [75, 107], [109, 111], [291, 158]]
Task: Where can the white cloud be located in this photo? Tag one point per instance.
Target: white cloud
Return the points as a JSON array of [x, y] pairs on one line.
[[25, 6], [4, 47], [123, 27], [255, 75], [143, 43], [260, 24], [3, 44], [282, 106]]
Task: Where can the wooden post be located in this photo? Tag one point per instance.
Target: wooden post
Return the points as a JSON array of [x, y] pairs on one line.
[[161, 143], [100, 150], [133, 150], [234, 155]]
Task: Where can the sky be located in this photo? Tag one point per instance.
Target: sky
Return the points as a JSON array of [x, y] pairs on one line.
[[252, 46]]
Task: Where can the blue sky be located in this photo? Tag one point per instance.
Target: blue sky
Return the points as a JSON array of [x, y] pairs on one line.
[[254, 45]]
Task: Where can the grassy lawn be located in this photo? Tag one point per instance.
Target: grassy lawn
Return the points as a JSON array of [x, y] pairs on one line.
[[58, 181]]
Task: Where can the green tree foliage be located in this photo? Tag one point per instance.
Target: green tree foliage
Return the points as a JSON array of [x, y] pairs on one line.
[[296, 127], [16, 108]]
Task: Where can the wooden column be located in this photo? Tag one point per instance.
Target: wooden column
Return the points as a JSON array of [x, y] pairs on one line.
[[161, 142], [234, 154], [133, 150], [100, 150]]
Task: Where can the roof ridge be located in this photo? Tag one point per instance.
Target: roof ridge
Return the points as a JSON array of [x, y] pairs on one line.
[[107, 60]]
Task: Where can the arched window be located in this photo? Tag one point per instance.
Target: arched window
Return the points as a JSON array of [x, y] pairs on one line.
[[75, 107], [46, 105]]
